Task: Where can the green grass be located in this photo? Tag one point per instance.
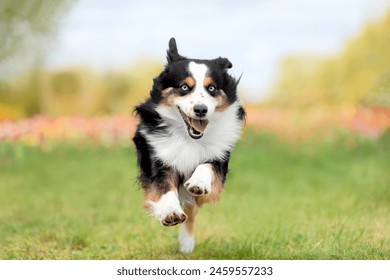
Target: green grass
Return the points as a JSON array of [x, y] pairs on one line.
[[281, 201]]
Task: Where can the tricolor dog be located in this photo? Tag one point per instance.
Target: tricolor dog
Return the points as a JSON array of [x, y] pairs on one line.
[[187, 128]]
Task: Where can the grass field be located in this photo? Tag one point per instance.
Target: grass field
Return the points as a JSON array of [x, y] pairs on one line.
[[281, 201]]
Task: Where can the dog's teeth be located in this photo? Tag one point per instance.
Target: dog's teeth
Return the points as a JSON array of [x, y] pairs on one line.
[[194, 132]]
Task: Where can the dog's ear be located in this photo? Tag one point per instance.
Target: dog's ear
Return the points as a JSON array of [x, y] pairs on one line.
[[224, 63], [172, 53]]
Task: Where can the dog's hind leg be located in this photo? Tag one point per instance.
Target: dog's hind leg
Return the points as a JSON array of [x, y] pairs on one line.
[[186, 233]]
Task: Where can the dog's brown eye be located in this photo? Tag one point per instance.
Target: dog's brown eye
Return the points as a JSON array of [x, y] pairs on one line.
[[211, 88]]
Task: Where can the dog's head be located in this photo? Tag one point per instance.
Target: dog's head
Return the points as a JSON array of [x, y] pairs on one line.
[[195, 88]]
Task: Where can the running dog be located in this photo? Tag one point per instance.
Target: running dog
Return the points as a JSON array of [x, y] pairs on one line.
[[187, 129]]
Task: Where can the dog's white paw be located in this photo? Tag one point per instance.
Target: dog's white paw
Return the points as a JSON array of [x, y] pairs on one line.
[[200, 181], [168, 209], [186, 241]]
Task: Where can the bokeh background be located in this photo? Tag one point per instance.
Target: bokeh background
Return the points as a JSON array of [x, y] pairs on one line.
[[325, 60], [316, 85]]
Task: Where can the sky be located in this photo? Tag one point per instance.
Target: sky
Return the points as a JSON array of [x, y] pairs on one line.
[[253, 35]]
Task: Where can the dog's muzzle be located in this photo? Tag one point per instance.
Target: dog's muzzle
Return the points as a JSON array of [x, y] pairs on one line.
[[196, 127]]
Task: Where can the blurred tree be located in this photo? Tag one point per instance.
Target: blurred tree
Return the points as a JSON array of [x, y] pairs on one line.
[[360, 74], [27, 28], [116, 88], [141, 75], [71, 91], [124, 90], [292, 82]]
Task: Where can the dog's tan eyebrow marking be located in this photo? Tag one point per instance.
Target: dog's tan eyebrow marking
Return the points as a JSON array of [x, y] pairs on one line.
[[166, 92], [208, 81], [189, 81], [222, 103]]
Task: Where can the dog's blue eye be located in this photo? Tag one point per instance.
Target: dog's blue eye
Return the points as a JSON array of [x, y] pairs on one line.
[[184, 88], [211, 88]]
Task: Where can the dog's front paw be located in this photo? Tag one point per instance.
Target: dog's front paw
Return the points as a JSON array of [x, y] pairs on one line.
[[173, 219], [167, 209], [200, 181]]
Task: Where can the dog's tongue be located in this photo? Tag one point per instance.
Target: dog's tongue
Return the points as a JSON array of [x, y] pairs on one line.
[[199, 125]]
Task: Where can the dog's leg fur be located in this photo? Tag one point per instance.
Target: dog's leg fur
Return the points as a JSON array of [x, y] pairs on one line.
[[200, 181], [162, 200], [206, 182], [159, 184], [186, 233]]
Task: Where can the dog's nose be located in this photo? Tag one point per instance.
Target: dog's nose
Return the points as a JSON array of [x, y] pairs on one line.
[[200, 110]]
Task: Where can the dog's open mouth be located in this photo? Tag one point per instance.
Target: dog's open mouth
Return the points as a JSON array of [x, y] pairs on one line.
[[195, 127]]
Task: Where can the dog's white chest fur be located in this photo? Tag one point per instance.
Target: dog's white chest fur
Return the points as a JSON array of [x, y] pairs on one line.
[[178, 150]]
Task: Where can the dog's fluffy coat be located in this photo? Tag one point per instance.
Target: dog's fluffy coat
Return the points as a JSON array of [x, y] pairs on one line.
[[187, 129]]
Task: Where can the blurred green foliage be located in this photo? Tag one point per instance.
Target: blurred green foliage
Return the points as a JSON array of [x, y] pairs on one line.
[[24, 21], [358, 75], [77, 91], [27, 27]]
